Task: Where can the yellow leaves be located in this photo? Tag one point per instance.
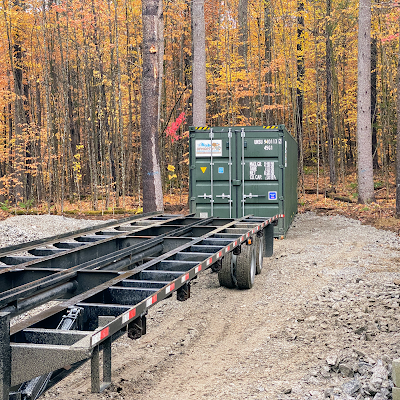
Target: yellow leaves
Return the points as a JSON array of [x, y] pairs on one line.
[[171, 168], [170, 177]]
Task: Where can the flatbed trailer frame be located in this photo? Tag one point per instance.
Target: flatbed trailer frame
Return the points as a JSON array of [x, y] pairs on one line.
[[106, 279]]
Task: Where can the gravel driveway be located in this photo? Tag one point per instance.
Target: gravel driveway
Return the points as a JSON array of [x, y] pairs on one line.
[[321, 321]]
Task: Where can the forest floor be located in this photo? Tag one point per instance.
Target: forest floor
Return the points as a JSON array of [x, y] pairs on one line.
[[343, 199]]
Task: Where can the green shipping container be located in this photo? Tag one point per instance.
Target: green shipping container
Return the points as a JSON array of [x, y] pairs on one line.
[[243, 170]]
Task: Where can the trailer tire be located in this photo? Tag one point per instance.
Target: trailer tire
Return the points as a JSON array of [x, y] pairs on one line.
[[246, 266], [259, 254], [226, 275]]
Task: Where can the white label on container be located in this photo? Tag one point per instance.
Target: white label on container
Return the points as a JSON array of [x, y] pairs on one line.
[[269, 171], [257, 173], [203, 148], [204, 215]]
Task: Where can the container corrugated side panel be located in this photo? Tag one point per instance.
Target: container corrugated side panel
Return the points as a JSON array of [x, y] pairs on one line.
[[290, 180]]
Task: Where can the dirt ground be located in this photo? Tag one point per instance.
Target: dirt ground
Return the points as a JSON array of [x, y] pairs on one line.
[[263, 343]]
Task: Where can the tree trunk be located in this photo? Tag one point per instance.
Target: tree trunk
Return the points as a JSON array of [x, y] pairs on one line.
[[364, 137], [244, 99], [151, 173], [398, 138], [268, 28], [329, 113], [374, 55], [199, 63], [299, 89]]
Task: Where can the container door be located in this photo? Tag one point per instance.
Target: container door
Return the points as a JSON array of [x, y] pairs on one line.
[[213, 174], [261, 172]]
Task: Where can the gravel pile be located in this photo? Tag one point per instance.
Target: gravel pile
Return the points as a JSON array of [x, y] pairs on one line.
[[356, 316], [358, 321], [26, 228]]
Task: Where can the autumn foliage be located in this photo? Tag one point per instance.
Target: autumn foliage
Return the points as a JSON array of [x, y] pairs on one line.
[[70, 90]]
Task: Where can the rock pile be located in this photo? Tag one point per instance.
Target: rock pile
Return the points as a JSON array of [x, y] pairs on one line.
[[368, 380]]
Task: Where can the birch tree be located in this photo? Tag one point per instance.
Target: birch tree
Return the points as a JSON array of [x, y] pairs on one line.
[[151, 172], [398, 138], [199, 63], [364, 133], [329, 113], [244, 101]]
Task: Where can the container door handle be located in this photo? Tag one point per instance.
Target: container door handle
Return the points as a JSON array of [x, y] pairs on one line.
[[243, 135], [230, 171], [250, 195], [212, 173]]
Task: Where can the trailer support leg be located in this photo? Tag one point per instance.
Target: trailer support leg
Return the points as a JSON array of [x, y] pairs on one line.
[[97, 385], [183, 293], [107, 361], [137, 328], [269, 240], [5, 356]]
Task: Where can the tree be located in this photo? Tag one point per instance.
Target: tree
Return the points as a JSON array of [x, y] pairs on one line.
[[244, 101], [151, 172], [398, 137], [199, 63], [364, 136], [374, 116], [329, 113], [300, 88]]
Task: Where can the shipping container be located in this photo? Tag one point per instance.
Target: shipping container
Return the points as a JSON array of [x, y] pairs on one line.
[[243, 170]]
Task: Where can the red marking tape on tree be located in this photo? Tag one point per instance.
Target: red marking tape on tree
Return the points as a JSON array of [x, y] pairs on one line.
[[170, 288]]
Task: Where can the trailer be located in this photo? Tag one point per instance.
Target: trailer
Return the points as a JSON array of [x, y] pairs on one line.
[[104, 281]]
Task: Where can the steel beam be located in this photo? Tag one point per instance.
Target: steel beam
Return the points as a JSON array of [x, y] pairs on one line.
[[269, 240], [5, 356], [52, 357]]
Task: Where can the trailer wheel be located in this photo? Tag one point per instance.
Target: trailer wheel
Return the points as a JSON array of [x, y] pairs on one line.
[[259, 254], [226, 275], [246, 266]]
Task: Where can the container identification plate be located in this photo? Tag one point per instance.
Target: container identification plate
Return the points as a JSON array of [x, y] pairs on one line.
[[203, 148], [267, 172]]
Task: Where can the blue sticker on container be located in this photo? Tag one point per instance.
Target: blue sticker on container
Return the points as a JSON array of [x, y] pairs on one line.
[[272, 195], [220, 170]]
